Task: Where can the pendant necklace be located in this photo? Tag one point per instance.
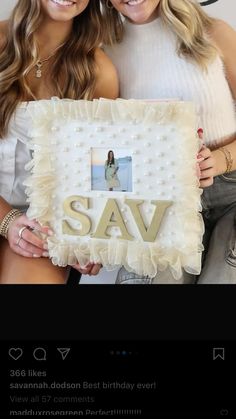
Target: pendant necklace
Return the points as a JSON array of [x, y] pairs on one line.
[[39, 63]]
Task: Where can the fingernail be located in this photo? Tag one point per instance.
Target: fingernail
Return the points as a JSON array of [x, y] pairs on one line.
[[45, 246], [45, 254], [200, 160], [50, 233], [36, 256]]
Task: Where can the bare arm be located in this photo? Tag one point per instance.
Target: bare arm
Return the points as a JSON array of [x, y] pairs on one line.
[[107, 80], [214, 161], [224, 36], [4, 208], [225, 39]]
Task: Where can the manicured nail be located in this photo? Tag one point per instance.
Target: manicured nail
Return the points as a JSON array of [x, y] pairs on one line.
[[45, 254], [36, 256], [45, 246], [50, 233]]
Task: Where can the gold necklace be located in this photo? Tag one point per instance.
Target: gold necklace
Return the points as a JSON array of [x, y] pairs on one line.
[[39, 63]]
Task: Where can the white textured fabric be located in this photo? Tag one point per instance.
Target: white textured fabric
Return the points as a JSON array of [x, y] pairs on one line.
[[14, 154], [153, 70]]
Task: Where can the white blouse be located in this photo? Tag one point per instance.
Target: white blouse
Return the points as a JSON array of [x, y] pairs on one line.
[[14, 155]]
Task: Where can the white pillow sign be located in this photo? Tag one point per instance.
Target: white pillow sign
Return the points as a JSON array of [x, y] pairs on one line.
[[116, 181]]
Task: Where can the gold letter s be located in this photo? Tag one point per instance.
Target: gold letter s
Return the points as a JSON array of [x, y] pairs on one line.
[[71, 212]]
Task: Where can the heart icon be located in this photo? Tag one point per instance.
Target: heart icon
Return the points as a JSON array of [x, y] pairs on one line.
[[15, 353]]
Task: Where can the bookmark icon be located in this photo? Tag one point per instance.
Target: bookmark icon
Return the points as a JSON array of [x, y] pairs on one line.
[[219, 353], [64, 352]]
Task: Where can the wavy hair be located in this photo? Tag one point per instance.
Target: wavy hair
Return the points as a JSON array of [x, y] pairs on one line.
[[74, 60], [185, 18], [108, 157]]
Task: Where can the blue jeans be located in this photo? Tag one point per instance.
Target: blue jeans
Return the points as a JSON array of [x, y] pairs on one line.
[[219, 213], [219, 256]]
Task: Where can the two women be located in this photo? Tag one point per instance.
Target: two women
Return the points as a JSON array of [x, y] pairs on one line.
[[47, 48], [162, 49]]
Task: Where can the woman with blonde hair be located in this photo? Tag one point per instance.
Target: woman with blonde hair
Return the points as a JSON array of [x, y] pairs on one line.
[[47, 48], [173, 49]]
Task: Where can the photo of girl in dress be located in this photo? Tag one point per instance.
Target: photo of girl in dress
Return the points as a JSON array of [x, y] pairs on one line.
[[111, 169]]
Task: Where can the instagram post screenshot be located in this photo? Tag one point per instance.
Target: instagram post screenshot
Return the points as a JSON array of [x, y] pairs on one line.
[[117, 167]]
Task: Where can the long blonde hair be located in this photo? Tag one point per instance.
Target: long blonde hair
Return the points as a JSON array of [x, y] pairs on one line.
[[75, 60], [185, 18]]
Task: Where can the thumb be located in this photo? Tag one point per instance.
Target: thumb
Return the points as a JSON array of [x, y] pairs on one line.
[[201, 138]]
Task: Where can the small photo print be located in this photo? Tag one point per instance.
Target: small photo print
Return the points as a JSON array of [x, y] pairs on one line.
[[111, 169]]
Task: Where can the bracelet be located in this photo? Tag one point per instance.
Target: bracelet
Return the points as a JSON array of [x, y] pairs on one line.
[[228, 158], [5, 223]]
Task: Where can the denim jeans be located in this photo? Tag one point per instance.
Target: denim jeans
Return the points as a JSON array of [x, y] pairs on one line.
[[219, 213], [219, 256]]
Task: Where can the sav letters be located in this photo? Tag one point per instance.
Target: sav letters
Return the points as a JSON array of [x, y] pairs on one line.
[[112, 217]]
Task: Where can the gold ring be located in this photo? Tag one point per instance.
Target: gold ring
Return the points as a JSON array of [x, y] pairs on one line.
[[21, 231]]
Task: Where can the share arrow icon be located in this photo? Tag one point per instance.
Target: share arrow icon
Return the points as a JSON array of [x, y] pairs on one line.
[[64, 352]]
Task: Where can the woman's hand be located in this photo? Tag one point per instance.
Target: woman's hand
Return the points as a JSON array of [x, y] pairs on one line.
[[24, 241], [89, 269], [205, 163]]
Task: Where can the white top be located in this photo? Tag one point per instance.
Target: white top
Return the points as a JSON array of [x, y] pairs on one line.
[[14, 154], [149, 68]]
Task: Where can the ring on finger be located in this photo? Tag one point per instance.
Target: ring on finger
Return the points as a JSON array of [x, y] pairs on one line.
[[20, 232], [18, 241]]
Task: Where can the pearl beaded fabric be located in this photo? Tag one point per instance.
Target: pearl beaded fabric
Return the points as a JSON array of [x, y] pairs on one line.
[[146, 132]]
